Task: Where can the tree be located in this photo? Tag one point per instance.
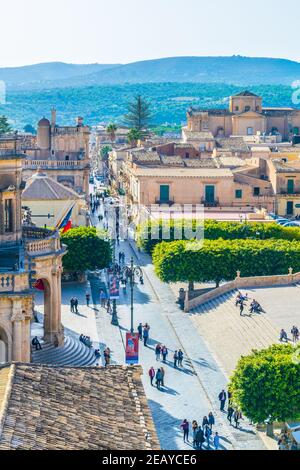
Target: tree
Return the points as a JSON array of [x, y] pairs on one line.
[[219, 260], [29, 129], [266, 384], [139, 114], [111, 130], [88, 249], [105, 151], [4, 125], [133, 136]]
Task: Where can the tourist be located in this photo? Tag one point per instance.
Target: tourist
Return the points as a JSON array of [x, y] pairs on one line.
[[158, 352], [164, 353], [217, 441], [283, 336], [97, 354], [37, 344], [230, 412], [151, 375], [140, 331], [211, 420], [295, 334], [146, 334], [102, 298], [72, 305], [222, 399], [107, 356], [204, 422], [158, 379], [241, 308], [185, 426], [195, 429], [180, 358], [88, 298], [76, 303], [175, 359], [237, 416], [199, 438], [207, 434], [162, 376]]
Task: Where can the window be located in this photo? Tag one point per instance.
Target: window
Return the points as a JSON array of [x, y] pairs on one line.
[[238, 194], [8, 216], [257, 108], [256, 191], [249, 130], [237, 108], [187, 155], [247, 108], [67, 158]]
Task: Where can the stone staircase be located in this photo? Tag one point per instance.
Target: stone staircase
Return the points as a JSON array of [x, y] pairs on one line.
[[73, 353], [228, 335]]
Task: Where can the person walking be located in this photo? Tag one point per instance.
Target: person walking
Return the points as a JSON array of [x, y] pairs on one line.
[[140, 331], [164, 353], [222, 399], [35, 342], [162, 376], [158, 379], [76, 303], [295, 334], [199, 438], [230, 412], [88, 298], [180, 358], [204, 422], [151, 375], [146, 334], [241, 308], [107, 357], [175, 357], [217, 441], [158, 352], [207, 434], [194, 429], [185, 426], [211, 420], [102, 298], [237, 416], [72, 305]]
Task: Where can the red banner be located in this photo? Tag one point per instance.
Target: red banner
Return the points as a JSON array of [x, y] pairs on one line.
[[132, 348]]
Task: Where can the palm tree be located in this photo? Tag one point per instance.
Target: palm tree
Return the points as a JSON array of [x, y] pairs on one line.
[[111, 130], [133, 136]]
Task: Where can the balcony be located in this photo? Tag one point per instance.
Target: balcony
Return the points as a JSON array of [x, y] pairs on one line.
[[161, 202], [287, 193], [39, 241], [215, 203], [7, 282], [55, 164]]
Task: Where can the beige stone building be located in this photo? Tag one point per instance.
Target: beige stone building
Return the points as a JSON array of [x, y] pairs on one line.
[[62, 152], [245, 116], [27, 254], [49, 202]]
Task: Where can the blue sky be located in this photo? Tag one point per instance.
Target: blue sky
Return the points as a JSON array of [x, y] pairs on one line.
[[122, 31]]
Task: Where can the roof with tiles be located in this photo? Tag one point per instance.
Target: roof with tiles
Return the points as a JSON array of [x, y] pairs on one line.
[[289, 167], [41, 187], [62, 408]]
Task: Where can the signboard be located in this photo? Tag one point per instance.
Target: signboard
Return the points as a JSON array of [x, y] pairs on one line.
[[114, 288], [132, 348], [297, 205]]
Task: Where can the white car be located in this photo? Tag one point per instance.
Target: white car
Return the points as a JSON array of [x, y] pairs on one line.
[[292, 224]]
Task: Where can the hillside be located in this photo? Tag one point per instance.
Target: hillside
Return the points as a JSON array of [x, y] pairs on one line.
[[234, 70]]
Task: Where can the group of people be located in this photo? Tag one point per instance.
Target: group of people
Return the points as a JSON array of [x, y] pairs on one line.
[[241, 299], [86, 340], [161, 352], [159, 377], [201, 433], [283, 337], [143, 331], [233, 414], [74, 305]]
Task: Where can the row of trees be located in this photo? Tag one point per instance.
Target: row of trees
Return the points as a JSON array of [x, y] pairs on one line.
[[219, 260], [152, 233]]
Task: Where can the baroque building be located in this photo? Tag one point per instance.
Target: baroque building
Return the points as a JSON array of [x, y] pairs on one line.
[[27, 255], [62, 152]]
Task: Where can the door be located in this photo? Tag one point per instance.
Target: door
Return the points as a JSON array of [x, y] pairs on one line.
[[164, 193], [289, 208], [210, 194], [290, 187]]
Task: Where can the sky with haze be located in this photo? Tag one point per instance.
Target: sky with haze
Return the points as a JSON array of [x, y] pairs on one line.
[[123, 31]]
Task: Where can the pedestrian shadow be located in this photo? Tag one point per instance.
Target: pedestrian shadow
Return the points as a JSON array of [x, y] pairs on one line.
[[80, 315], [204, 363], [167, 426], [169, 391]]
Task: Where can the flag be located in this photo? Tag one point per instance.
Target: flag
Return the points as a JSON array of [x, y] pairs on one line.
[[66, 220], [67, 227], [39, 285]]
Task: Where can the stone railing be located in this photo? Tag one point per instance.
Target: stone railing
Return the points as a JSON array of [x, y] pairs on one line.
[[40, 241], [241, 283], [54, 164], [7, 282]]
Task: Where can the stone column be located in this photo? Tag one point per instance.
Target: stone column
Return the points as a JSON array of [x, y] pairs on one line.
[[26, 338], [17, 321]]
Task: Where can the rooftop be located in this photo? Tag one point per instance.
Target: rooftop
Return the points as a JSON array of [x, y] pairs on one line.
[[41, 187], [63, 408]]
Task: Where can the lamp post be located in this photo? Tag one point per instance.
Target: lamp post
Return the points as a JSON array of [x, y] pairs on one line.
[[130, 272]]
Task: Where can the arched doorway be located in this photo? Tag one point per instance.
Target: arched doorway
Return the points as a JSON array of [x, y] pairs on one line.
[[3, 347], [48, 296]]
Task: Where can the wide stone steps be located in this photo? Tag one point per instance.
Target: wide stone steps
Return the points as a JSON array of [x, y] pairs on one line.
[[230, 335], [73, 353]]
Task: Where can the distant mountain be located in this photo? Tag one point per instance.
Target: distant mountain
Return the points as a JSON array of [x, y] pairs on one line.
[[235, 70]]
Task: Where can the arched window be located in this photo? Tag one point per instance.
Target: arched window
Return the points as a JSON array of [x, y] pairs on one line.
[[247, 108]]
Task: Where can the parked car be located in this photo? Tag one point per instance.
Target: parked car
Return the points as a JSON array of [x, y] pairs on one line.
[[292, 224], [282, 221]]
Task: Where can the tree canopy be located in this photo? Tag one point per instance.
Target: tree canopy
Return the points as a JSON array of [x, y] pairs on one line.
[[111, 130], [88, 249], [4, 125], [266, 384], [139, 114]]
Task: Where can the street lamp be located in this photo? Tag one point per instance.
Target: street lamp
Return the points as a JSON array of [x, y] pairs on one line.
[[130, 272]]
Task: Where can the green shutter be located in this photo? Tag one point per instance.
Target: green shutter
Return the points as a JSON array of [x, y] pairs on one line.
[[238, 194], [164, 193]]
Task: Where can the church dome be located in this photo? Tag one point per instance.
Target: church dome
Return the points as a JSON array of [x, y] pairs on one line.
[[44, 123]]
